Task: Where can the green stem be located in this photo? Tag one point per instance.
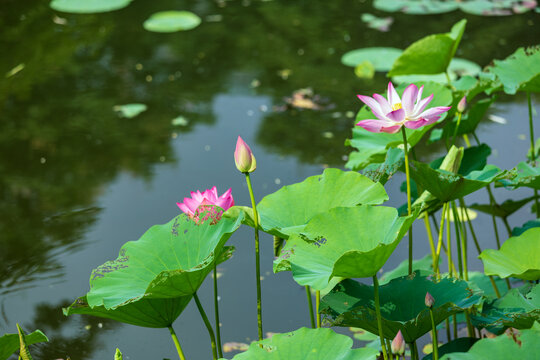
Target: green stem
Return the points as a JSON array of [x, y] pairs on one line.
[[462, 204], [434, 336], [414, 350], [439, 244], [310, 305], [409, 207], [458, 238], [456, 129], [317, 306], [216, 313], [507, 226], [257, 257], [448, 241], [389, 346], [208, 326], [176, 343], [430, 234], [448, 334], [470, 328], [379, 317], [454, 324], [531, 131]]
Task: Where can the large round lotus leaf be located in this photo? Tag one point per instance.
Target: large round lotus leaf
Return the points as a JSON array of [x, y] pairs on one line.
[[345, 241], [171, 21], [88, 6], [518, 257], [372, 147], [416, 7], [519, 308], [525, 347], [169, 262], [446, 186], [10, 343], [518, 72], [289, 209], [382, 58], [431, 54], [505, 209], [402, 302], [464, 67], [523, 175], [307, 344]]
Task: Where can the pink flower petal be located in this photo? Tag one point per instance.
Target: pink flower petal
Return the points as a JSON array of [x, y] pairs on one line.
[[418, 123], [379, 126], [420, 106], [396, 115], [192, 204], [184, 208], [385, 106], [374, 106], [393, 97], [434, 111], [409, 98]]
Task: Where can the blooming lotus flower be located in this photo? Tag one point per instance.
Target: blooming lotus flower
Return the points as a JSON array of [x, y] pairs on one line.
[[398, 344], [203, 206], [243, 157], [394, 112]]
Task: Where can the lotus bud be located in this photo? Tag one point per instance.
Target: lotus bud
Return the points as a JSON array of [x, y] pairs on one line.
[[430, 301], [243, 157], [462, 104], [398, 344]]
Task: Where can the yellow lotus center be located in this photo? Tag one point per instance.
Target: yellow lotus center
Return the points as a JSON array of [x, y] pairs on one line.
[[396, 106]]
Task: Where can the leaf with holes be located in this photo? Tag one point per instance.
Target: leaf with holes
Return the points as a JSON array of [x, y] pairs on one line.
[[523, 175], [345, 241], [304, 343], [154, 278], [288, 210], [402, 303]]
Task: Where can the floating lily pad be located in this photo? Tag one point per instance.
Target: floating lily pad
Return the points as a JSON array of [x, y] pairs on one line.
[[429, 55], [416, 7], [525, 347], [10, 343], [476, 7], [88, 6], [288, 210], [518, 72], [172, 21], [519, 308], [377, 23], [518, 257], [304, 343], [345, 241], [372, 147], [130, 110], [382, 58], [351, 304], [523, 175], [154, 278]]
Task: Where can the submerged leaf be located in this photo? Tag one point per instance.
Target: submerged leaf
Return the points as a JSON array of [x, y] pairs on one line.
[[304, 343], [518, 257]]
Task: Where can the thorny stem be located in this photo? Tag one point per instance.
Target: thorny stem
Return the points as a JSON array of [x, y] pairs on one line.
[[310, 305], [379, 318], [257, 257], [208, 326], [176, 343], [216, 313], [409, 207]]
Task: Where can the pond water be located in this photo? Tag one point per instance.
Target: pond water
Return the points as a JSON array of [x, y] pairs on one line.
[[77, 181]]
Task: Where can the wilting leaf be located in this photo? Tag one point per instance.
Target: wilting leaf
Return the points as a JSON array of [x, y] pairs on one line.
[[304, 343], [518, 257], [172, 21], [351, 304], [88, 6]]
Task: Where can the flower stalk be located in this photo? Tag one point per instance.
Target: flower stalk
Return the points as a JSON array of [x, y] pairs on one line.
[[409, 207], [176, 343], [216, 313], [208, 325], [310, 305], [379, 317]]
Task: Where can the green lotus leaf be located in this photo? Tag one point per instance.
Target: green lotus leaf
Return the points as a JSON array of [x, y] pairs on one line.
[[88, 6], [446, 186], [474, 159], [461, 67], [469, 120], [456, 345], [528, 225], [171, 21], [416, 7], [9, 343], [288, 210], [518, 72], [423, 264], [158, 274], [344, 241], [307, 344], [431, 54], [402, 304], [507, 208], [503, 347], [382, 58], [518, 308], [383, 172], [518, 257], [522, 175], [479, 282], [130, 110], [372, 147]]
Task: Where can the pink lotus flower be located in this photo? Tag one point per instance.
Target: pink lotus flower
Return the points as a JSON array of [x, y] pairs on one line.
[[398, 344], [201, 207], [243, 157], [395, 112]]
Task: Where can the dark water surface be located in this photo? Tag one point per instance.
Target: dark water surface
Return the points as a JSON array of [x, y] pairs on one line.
[[77, 181]]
